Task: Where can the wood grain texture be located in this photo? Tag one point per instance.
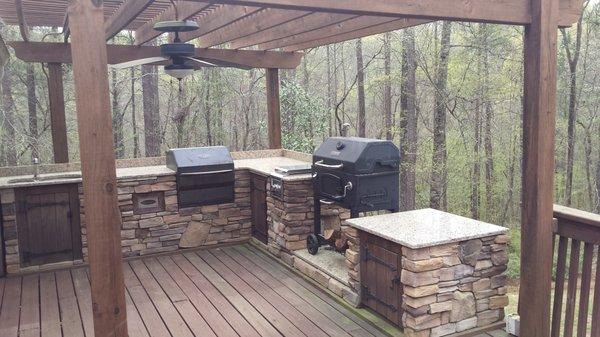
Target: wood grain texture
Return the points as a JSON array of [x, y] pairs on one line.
[[58, 121], [126, 13], [103, 219], [273, 109], [539, 121]]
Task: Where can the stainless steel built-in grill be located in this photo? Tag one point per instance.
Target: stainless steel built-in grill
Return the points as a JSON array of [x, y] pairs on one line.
[[205, 175], [359, 174]]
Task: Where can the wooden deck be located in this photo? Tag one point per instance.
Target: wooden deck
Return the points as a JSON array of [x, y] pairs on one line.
[[234, 291]]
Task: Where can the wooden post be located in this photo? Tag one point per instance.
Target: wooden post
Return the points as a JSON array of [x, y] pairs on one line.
[[57, 113], [102, 217], [273, 108], [538, 168]]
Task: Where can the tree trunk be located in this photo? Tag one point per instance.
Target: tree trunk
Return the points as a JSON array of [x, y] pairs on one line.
[[8, 105], [361, 89], [439, 171], [387, 87], [487, 125], [117, 118], [573, 59], [476, 173], [208, 107], [136, 139], [150, 103], [598, 174], [329, 91], [32, 108], [408, 122]]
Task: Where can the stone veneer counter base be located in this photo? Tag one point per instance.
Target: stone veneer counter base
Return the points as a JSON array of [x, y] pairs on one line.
[[425, 227], [434, 273]]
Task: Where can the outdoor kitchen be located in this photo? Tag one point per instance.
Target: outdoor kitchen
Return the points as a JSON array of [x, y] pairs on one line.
[[332, 216]]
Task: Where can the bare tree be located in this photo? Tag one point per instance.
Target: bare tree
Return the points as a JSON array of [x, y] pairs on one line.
[[573, 59], [32, 108], [408, 122], [8, 107], [387, 86], [136, 137], [117, 117], [360, 74], [150, 103], [439, 170]]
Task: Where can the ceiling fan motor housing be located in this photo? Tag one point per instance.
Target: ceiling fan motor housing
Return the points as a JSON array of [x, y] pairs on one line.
[[177, 50]]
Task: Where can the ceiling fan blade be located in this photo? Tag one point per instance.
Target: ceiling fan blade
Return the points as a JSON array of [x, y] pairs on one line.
[[199, 62], [138, 62], [220, 63]]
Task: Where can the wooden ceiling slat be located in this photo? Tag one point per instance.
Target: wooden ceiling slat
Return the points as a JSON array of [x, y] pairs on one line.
[[359, 22], [377, 29], [258, 22], [304, 24], [185, 10], [128, 11], [23, 28], [218, 18]]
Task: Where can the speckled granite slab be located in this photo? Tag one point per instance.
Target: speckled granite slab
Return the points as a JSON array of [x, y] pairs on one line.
[[425, 227]]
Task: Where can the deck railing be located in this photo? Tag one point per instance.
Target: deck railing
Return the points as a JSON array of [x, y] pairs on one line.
[[575, 229]]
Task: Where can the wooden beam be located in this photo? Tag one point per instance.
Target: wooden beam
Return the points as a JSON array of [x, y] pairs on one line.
[[23, 28], [256, 23], [539, 122], [304, 24], [48, 52], [58, 121], [516, 12], [185, 9], [355, 23], [66, 30], [273, 109], [98, 167], [219, 17], [377, 29], [126, 13]]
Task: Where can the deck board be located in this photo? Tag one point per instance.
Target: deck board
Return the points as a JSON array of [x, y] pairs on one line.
[[229, 292]]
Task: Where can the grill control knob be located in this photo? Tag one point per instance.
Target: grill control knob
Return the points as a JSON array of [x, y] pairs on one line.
[[340, 146]]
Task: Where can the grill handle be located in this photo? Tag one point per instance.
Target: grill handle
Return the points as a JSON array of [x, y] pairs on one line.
[[327, 166], [203, 173], [347, 188]]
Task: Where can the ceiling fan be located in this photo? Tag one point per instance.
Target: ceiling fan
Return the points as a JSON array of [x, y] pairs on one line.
[[180, 56]]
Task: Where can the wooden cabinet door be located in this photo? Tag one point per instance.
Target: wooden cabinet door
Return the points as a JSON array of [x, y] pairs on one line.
[[380, 277], [260, 229], [48, 224]]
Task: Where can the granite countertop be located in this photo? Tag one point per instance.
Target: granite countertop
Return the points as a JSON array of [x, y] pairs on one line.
[[425, 228], [265, 166]]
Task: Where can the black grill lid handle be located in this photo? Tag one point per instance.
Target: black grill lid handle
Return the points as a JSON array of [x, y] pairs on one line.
[[333, 167]]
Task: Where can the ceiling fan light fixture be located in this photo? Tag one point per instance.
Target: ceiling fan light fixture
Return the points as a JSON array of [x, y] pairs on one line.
[[178, 71]]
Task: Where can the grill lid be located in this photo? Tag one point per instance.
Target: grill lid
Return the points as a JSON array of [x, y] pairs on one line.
[[200, 159], [357, 155]]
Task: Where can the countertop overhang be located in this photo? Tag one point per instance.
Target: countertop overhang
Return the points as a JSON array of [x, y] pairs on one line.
[[425, 228]]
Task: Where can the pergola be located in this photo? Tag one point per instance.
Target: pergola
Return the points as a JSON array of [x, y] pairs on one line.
[[290, 26]]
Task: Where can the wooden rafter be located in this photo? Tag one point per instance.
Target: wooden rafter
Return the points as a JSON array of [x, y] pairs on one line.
[[517, 12], [258, 22], [307, 23], [126, 13], [185, 10], [358, 33], [47, 52], [358, 22], [219, 17]]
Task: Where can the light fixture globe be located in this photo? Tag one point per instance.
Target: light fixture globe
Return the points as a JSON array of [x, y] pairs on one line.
[[179, 71]]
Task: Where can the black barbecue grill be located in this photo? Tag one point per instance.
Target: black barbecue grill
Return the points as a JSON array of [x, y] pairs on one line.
[[205, 175], [359, 174]]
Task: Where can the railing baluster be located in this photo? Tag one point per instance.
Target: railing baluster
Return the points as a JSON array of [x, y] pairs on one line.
[[559, 287], [572, 288], [584, 295], [596, 304]]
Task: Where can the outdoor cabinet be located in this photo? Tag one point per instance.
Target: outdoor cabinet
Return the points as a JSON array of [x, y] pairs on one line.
[[48, 224], [258, 200], [380, 267]]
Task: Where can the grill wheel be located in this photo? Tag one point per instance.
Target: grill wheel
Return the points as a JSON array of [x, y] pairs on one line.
[[313, 244]]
